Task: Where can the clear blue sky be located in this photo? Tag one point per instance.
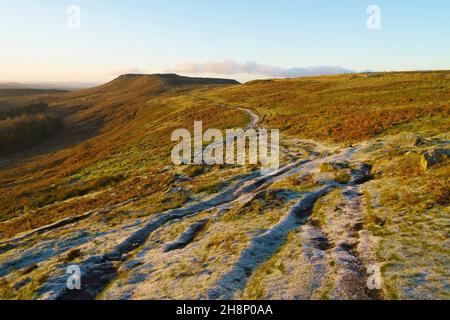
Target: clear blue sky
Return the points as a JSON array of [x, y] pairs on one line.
[[157, 35]]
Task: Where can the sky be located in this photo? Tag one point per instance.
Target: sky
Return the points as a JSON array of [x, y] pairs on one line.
[[41, 41]]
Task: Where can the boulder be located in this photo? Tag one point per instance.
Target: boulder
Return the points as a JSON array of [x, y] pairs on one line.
[[326, 167], [407, 140], [332, 167], [433, 157]]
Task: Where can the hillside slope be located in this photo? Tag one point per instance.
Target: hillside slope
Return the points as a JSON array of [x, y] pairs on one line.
[[363, 183], [348, 108]]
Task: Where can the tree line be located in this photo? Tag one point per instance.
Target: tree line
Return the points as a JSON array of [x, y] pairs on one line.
[[26, 126], [33, 108]]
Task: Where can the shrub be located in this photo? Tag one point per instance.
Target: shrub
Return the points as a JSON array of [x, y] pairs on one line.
[[407, 166], [343, 178], [72, 255], [439, 189]]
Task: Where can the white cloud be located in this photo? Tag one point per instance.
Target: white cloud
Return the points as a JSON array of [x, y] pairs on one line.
[[229, 67]]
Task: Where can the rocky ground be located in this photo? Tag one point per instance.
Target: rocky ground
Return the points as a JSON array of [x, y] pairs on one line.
[[310, 231]]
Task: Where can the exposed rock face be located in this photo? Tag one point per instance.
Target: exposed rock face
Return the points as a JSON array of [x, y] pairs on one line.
[[344, 173], [176, 80], [187, 237], [433, 157]]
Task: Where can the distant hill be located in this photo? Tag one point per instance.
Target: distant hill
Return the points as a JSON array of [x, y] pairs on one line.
[[12, 85], [67, 86], [171, 79], [156, 83], [149, 84], [166, 79], [28, 92], [128, 92]]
